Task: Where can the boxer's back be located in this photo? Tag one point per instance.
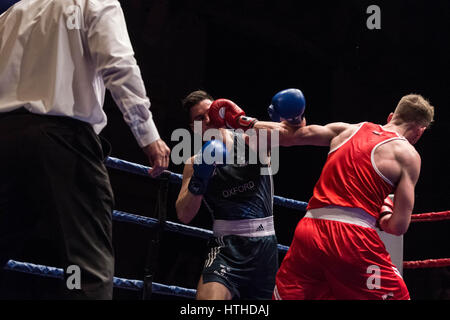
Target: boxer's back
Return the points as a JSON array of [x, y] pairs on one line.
[[353, 176], [385, 155]]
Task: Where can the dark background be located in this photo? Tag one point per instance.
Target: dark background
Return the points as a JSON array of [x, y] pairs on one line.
[[247, 51]]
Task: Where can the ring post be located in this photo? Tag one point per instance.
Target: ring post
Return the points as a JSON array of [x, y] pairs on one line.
[[155, 238]]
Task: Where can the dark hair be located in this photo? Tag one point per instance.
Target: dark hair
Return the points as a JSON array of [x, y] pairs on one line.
[[195, 97]]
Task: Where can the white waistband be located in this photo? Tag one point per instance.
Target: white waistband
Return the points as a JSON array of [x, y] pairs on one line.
[[342, 214], [259, 227]]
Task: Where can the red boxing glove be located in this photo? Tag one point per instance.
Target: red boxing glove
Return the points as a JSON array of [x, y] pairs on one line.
[[216, 112], [387, 207], [224, 112]]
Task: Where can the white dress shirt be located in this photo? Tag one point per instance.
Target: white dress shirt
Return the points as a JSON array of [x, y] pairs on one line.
[[57, 57]]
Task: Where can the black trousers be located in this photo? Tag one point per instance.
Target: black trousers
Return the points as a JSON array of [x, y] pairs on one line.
[[55, 190]]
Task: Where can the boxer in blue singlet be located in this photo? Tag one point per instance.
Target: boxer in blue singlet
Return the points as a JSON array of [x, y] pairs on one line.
[[243, 256]]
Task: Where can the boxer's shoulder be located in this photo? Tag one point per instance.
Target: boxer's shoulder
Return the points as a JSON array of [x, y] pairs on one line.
[[342, 132], [401, 149]]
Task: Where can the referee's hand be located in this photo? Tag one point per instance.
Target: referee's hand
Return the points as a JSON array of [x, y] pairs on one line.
[[158, 155]]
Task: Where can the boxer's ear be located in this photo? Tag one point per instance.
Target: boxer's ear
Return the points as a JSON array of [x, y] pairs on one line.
[[390, 116]]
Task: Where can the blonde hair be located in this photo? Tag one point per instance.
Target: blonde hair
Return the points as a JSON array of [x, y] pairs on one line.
[[414, 108]]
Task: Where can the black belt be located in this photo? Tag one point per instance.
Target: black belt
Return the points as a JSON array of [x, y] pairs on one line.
[[62, 119], [23, 111], [19, 111]]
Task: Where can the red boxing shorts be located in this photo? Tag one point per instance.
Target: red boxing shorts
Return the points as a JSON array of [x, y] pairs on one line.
[[336, 253]]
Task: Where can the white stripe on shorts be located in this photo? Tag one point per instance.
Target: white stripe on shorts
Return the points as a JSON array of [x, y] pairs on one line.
[[276, 294], [213, 253]]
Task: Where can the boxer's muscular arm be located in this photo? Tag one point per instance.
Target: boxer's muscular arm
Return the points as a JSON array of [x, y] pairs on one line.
[[314, 135], [397, 223], [281, 129], [187, 204]]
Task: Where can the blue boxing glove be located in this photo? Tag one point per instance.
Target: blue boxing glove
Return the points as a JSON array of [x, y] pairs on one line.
[[213, 153], [288, 105]]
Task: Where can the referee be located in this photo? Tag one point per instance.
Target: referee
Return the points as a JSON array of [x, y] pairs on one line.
[[56, 59]]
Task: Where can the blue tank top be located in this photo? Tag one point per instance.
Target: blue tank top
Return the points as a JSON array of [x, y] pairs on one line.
[[240, 191]]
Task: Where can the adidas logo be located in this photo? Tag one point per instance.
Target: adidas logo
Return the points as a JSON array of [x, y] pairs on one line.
[[260, 228], [387, 296]]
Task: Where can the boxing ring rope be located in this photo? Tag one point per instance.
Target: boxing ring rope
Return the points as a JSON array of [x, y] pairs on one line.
[[431, 216], [130, 167], [429, 263], [137, 285], [141, 170], [170, 226], [121, 283]]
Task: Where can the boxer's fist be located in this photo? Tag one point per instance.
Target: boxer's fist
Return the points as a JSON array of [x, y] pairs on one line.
[[213, 153], [386, 210], [288, 105], [388, 205], [224, 112]]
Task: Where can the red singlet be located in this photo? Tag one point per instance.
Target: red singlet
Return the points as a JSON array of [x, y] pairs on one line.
[[350, 177], [336, 252]]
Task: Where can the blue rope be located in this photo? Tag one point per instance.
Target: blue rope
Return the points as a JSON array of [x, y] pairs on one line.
[[127, 284], [137, 285], [170, 226], [174, 290], [44, 271], [290, 203], [141, 170], [138, 169]]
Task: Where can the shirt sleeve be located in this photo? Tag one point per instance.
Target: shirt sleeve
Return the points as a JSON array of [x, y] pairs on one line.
[[112, 53]]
